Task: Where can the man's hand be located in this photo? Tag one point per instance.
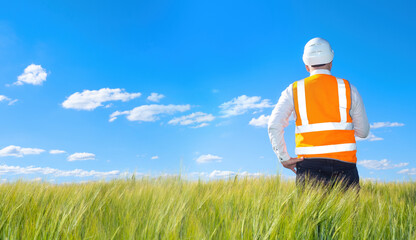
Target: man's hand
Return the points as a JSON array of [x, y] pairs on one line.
[[291, 163]]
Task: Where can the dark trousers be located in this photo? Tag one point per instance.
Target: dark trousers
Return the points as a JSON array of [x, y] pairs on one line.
[[328, 171]]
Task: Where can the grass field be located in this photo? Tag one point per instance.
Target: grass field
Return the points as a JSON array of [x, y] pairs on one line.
[[236, 208]]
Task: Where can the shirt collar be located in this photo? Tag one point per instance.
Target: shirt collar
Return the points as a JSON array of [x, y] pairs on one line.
[[320, 71]]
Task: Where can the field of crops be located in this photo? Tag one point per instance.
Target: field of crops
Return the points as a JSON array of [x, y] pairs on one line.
[[236, 208]]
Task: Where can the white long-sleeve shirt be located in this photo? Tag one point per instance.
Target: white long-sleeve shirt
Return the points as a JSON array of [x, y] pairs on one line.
[[285, 107]]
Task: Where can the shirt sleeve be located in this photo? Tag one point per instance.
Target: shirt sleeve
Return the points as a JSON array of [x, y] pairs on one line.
[[358, 115], [279, 119]]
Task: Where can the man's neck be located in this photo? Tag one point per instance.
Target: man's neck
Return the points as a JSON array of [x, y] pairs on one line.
[[320, 71]]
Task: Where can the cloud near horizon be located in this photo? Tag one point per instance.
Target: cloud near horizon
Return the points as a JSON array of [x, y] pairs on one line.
[[91, 99], [149, 113], [208, 158], [55, 172], [380, 165], [226, 174], [17, 151], [411, 171], [81, 156]]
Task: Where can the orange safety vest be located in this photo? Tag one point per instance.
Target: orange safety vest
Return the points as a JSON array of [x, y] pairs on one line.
[[324, 126]]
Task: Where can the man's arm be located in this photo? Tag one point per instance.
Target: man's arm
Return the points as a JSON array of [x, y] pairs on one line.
[[279, 119], [358, 115]]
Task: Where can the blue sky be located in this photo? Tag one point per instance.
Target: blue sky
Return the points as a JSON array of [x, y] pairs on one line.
[[76, 76]]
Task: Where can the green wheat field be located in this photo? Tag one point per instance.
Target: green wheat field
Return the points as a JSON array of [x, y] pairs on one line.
[[267, 207]]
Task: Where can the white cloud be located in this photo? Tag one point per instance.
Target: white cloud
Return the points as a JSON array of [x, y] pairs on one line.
[[155, 97], [225, 174], [115, 114], [11, 102], [385, 124], [370, 179], [198, 118], [380, 165], [33, 74], [408, 171], [149, 113], [207, 158], [3, 98], [260, 121], [371, 137], [108, 105], [200, 125], [247, 174], [6, 99], [221, 174], [242, 104], [56, 151], [197, 174], [17, 151], [55, 172], [81, 156], [91, 99], [155, 157]]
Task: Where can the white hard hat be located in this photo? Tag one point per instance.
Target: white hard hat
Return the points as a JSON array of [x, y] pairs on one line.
[[317, 51]]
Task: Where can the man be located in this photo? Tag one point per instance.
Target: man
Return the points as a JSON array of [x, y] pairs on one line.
[[328, 113]]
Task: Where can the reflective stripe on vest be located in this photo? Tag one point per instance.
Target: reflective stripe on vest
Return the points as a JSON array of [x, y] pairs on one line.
[[324, 127], [323, 118], [326, 149]]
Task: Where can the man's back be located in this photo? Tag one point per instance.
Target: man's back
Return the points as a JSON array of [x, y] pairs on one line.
[[329, 113], [324, 126], [321, 94]]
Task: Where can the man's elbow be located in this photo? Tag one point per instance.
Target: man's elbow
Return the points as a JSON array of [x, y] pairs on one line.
[[363, 133], [367, 130]]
